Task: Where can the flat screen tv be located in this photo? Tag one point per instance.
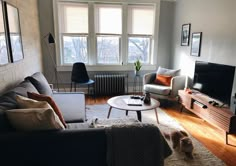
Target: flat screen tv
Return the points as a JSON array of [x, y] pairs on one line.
[[214, 80]]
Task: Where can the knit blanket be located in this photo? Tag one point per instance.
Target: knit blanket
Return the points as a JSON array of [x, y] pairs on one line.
[[132, 143]]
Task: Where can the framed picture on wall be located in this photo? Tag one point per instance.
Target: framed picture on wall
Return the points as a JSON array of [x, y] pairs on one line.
[[196, 43], [185, 34], [4, 54], [13, 32]]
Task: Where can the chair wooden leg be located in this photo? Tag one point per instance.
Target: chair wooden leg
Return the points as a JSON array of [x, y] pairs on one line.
[[88, 90], [71, 87], [226, 138], [75, 87], [156, 115]]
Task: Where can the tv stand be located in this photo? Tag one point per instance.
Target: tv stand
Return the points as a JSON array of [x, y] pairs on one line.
[[220, 117]]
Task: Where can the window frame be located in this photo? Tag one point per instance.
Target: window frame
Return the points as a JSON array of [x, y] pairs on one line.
[[108, 35], [62, 56], [98, 34], [92, 58], [149, 50]]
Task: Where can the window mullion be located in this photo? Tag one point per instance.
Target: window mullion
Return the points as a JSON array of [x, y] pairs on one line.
[[91, 36], [124, 36]]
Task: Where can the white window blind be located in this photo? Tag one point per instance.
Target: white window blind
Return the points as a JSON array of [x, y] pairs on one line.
[[73, 17], [140, 19], [108, 19]]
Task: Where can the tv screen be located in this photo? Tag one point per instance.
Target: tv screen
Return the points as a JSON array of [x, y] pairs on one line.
[[214, 80]]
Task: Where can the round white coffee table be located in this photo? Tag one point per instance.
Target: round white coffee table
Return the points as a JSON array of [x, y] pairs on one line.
[[120, 102]]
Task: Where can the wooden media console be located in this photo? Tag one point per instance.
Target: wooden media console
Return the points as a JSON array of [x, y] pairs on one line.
[[220, 117]]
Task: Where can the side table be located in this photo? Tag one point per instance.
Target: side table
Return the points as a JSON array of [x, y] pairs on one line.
[[137, 86]]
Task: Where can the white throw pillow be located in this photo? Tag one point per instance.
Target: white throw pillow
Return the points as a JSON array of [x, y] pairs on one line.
[[34, 119], [169, 72]]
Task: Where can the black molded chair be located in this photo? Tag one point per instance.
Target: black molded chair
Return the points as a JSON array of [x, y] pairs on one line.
[[80, 76]]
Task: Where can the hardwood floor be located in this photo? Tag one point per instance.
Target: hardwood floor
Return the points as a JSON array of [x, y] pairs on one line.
[[210, 136]]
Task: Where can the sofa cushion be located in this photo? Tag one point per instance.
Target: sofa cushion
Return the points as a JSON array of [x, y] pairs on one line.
[[34, 119], [72, 106], [24, 87], [25, 102], [40, 83], [157, 89], [163, 79], [7, 101], [165, 71], [41, 97]]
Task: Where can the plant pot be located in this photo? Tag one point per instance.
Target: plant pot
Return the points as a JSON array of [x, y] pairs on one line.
[[136, 73]]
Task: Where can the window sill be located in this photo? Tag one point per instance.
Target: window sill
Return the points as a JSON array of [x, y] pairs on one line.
[[108, 67]]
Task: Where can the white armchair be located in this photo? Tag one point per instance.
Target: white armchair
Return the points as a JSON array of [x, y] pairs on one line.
[[162, 91]]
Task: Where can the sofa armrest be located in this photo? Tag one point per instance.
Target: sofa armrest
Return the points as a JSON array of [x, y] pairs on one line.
[[65, 147], [149, 78], [72, 106], [177, 83]]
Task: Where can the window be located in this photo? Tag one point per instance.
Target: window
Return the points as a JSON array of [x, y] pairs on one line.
[[73, 32], [108, 22], [140, 32], [105, 33]]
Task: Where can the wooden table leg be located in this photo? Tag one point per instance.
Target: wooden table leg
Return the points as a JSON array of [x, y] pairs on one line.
[[126, 113], [139, 116], [156, 115], [109, 112]]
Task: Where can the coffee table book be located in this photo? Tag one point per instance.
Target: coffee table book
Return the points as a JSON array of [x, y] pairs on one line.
[[133, 102]]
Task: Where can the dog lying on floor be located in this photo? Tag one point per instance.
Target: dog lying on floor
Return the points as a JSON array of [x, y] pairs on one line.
[[180, 140]]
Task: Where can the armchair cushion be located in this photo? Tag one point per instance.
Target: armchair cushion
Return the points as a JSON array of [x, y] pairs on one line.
[[163, 79], [165, 71], [157, 89]]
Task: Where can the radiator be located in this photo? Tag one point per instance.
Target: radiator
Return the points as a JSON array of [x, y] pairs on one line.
[[109, 84]]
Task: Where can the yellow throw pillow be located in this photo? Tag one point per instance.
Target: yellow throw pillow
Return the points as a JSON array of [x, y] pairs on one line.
[[25, 102], [34, 119], [37, 115]]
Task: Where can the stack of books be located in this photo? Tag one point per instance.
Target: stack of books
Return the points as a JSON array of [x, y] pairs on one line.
[[133, 102]]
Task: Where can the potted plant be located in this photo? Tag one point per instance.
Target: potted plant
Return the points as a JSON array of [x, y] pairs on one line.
[[137, 65]]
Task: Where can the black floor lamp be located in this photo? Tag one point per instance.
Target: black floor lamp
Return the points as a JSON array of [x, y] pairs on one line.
[[49, 39]]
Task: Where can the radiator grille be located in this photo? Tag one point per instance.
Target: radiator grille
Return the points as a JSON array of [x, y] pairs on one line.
[[109, 84]]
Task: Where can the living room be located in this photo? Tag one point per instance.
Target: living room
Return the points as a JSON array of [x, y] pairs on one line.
[[214, 18]]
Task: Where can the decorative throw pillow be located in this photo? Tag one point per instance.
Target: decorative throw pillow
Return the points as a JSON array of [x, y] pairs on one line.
[[163, 79], [25, 102], [165, 71], [40, 83], [40, 97], [24, 87], [34, 119]]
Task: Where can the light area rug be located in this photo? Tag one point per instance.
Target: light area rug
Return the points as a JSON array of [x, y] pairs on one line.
[[201, 155]]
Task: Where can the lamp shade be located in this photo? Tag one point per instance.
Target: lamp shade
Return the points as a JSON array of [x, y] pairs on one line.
[[51, 38]]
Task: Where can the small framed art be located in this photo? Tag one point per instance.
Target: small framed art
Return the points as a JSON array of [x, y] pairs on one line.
[[196, 43], [13, 32], [185, 34], [4, 56]]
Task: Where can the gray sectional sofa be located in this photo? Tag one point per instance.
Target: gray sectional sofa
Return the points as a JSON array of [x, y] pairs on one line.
[[76, 145]]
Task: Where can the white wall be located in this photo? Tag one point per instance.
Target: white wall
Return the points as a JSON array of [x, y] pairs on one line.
[[13, 73], [165, 33], [216, 20]]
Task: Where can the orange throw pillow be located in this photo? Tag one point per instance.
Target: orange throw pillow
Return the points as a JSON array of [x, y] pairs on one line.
[[40, 97], [163, 79]]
